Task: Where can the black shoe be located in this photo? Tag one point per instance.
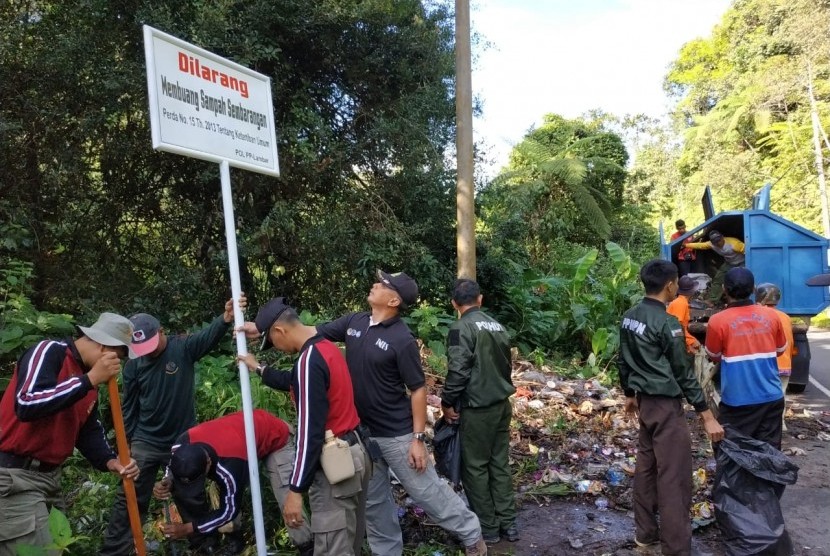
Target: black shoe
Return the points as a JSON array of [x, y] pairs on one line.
[[646, 544], [234, 546], [493, 538], [306, 549], [205, 544], [511, 534]]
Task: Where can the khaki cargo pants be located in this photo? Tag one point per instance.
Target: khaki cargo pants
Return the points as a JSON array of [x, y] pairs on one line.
[[26, 497], [338, 512]]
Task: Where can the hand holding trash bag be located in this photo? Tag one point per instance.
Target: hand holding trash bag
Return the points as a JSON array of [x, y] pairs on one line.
[[447, 450]]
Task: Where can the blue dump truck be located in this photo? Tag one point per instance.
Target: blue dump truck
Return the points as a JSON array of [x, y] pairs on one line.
[[777, 251]]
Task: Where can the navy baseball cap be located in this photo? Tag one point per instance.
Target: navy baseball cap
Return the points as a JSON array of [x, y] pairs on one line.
[[403, 285], [267, 316], [739, 282], [145, 333], [188, 467]]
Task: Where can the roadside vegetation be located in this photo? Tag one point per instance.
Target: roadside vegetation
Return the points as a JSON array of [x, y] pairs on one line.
[[92, 220]]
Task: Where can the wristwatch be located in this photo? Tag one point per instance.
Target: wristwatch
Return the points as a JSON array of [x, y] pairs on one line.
[[422, 436], [260, 369]]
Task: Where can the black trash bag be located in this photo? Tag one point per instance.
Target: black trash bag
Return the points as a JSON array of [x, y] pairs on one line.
[[749, 482], [446, 444]]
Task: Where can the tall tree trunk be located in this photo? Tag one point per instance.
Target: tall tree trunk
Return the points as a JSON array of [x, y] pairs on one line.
[[465, 194]]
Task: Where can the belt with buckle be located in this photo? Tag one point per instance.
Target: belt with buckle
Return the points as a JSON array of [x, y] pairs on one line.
[[13, 461], [351, 437]]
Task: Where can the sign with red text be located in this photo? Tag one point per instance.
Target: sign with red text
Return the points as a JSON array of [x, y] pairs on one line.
[[207, 107]]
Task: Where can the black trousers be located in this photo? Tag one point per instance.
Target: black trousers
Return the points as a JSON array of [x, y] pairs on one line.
[[760, 421]]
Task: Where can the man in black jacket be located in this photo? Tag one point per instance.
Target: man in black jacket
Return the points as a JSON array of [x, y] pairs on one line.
[[322, 391], [390, 395]]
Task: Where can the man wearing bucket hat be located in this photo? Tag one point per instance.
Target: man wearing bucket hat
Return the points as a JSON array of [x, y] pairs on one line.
[[216, 450], [322, 391], [50, 407], [686, 288], [384, 362], [159, 390]]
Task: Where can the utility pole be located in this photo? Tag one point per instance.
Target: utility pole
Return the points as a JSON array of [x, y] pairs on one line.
[[465, 195]]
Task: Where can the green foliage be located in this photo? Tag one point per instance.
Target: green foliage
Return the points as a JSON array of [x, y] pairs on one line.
[[577, 311], [218, 390], [21, 324], [61, 534], [365, 113], [564, 182], [431, 325], [745, 95]]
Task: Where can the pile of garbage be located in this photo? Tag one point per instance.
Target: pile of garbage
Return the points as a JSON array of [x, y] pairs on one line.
[[571, 438]]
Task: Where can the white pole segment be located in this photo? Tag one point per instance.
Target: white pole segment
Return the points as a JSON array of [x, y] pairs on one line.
[[242, 349]]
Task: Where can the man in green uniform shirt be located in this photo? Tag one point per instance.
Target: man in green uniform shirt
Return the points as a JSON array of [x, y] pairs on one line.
[[158, 399], [478, 381], [656, 375]]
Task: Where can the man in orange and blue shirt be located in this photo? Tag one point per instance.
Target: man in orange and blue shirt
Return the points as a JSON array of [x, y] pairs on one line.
[[746, 339]]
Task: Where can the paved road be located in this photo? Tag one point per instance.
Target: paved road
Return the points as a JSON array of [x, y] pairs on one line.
[[817, 394], [806, 504]]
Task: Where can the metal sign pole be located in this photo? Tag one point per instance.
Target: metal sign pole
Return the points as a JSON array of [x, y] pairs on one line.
[[242, 349]]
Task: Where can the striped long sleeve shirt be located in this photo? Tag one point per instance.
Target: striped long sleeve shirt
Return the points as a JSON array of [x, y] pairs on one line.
[[321, 387]]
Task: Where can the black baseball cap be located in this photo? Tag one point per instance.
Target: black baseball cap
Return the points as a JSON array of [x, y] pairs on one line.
[[188, 467], [714, 234], [267, 316], [739, 282], [403, 285]]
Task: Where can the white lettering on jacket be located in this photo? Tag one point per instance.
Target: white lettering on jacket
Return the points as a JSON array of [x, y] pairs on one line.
[[381, 344], [634, 325], [491, 326]]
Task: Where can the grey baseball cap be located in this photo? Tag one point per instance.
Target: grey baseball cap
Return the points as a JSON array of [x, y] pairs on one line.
[[111, 330]]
